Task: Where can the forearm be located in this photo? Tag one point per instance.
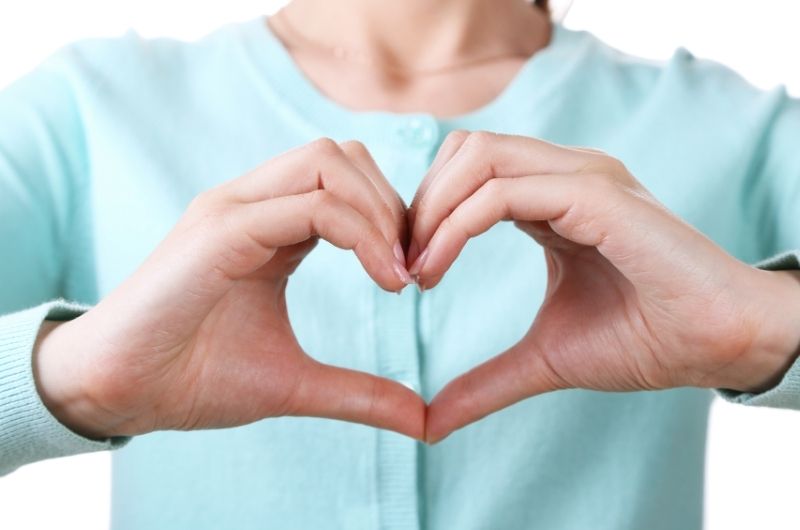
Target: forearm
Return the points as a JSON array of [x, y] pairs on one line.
[[777, 342], [28, 430]]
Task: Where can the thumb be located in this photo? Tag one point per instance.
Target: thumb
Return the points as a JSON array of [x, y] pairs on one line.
[[501, 381], [343, 394]]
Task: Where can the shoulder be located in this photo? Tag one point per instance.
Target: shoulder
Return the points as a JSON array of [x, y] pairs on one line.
[[130, 62], [684, 96], [690, 83]]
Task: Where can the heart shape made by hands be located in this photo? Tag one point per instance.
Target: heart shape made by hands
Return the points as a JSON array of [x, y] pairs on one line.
[[636, 298]]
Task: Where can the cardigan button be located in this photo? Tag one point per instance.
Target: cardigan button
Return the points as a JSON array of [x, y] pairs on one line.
[[419, 131]]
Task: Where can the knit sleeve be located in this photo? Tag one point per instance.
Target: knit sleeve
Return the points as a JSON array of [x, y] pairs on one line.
[[778, 175], [28, 431], [786, 394], [44, 249]]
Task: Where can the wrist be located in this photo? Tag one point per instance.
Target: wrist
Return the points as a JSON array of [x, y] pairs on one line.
[[776, 342], [59, 380]]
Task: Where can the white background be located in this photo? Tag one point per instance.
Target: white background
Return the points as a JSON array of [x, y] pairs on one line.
[[754, 462]]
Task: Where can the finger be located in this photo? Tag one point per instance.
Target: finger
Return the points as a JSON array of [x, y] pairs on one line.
[[483, 156], [587, 198], [343, 394], [498, 383], [321, 164], [361, 157], [539, 197], [246, 236], [448, 148]]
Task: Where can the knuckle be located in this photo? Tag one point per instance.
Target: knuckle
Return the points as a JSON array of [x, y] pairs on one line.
[[614, 165], [455, 225], [325, 146], [204, 201], [600, 161], [491, 198], [457, 136], [204, 211], [609, 173], [320, 199], [462, 225], [239, 247], [480, 139], [355, 148], [492, 188], [369, 232]]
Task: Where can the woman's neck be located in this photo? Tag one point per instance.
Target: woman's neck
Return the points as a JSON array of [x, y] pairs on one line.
[[419, 34]]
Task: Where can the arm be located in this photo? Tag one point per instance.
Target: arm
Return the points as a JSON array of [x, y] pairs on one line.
[[776, 178], [29, 431], [783, 389], [43, 228]]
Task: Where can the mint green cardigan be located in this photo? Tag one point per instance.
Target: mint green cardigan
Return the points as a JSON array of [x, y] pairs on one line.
[[104, 143]]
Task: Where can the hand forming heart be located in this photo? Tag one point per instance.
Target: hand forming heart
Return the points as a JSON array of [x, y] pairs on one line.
[[199, 336], [636, 298]]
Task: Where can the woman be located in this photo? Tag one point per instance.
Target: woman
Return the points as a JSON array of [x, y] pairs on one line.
[[157, 195]]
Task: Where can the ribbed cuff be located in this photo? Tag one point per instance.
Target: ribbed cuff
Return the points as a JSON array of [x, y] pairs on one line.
[[786, 394], [28, 431]]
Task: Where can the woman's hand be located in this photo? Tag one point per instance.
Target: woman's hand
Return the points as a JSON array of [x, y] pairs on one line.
[[199, 337], [636, 298]]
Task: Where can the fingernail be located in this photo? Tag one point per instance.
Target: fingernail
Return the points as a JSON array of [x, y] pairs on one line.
[[398, 253], [418, 263], [402, 273], [420, 287]]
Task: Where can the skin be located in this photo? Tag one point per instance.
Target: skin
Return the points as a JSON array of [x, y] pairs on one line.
[[198, 337], [677, 310], [414, 34]]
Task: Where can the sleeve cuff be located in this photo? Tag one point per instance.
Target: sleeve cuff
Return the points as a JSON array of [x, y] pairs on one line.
[[786, 394], [28, 431]]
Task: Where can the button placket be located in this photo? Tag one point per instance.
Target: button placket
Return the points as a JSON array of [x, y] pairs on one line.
[[397, 359], [395, 336]]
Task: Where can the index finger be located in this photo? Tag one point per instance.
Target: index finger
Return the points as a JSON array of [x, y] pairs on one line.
[[363, 160], [446, 151], [480, 157]]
